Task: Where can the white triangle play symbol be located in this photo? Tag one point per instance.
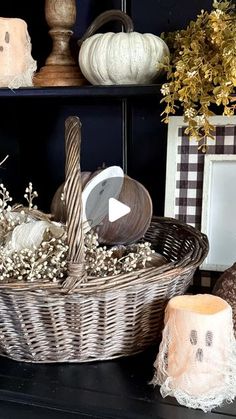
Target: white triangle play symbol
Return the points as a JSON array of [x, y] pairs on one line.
[[116, 210]]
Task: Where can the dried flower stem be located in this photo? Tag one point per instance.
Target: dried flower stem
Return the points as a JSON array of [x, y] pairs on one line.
[[3, 161], [29, 195]]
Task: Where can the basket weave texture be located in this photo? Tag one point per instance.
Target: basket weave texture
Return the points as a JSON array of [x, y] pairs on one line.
[[87, 319]]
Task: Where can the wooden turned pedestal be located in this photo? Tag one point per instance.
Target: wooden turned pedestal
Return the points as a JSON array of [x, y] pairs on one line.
[[60, 69], [59, 75]]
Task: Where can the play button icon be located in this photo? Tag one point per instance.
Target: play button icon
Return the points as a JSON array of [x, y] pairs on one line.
[[97, 194], [117, 210]]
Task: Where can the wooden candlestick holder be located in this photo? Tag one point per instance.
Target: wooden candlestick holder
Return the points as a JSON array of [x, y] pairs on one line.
[[60, 68]]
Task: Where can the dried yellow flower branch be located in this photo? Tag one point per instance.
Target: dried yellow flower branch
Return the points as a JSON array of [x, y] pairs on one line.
[[202, 70]]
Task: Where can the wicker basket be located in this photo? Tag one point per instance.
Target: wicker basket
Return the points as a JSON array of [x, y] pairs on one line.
[[87, 319]]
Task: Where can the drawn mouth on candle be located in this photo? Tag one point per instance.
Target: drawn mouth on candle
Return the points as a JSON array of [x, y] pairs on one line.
[[199, 355]]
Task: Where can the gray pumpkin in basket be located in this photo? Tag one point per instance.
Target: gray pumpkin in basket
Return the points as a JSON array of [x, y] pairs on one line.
[[225, 288]]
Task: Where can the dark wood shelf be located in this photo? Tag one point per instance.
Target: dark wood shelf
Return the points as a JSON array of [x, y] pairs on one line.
[[116, 91], [117, 389]]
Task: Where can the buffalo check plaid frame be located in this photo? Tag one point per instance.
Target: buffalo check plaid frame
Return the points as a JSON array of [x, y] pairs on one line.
[[185, 169]]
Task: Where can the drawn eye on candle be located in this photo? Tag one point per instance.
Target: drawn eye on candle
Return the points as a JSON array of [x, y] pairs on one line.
[[7, 37], [209, 338], [193, 337], [7, 40]]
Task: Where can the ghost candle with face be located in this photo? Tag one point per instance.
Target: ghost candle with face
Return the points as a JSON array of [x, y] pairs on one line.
[[197, 357], [16, 63]]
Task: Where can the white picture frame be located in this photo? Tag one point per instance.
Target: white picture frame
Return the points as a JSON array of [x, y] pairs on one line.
[[178, 148], [219, 211]]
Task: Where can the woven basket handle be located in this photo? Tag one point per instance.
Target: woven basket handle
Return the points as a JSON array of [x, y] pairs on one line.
[[106, 17], [73, 201]]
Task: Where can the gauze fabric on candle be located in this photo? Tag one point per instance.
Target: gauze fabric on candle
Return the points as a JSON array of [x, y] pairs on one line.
[[16, 63], [196, 362]]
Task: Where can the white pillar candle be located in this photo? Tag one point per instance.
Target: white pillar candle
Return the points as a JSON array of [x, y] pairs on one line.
[[16, 63], [197, 357]]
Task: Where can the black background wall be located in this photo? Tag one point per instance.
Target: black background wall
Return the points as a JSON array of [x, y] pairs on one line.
[[32, 129]]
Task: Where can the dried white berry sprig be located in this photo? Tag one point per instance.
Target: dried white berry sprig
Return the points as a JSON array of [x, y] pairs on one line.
[[29, 195], [100, 261], [12, 216], [45, 263], [5, 198], [48, 261]]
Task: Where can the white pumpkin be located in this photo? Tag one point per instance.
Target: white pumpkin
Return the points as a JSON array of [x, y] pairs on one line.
[[122, 58], [30, 235]]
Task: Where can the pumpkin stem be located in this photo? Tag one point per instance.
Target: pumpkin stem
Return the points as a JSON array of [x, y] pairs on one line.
[[106, 17]]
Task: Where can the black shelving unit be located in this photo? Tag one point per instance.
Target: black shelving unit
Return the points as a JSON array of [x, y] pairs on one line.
[[84, 92]]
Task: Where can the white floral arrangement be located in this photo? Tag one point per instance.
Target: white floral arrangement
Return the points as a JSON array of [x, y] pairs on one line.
[[34, 248]]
